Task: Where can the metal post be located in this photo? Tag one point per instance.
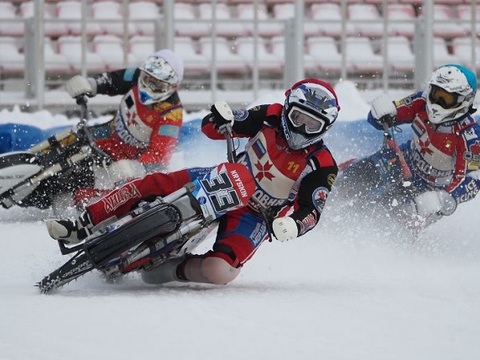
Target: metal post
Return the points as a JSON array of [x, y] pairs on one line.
[[30, 62], [83, 28], [423, 46], [255, 74], [165, 27], [39, 50], [294, 46]]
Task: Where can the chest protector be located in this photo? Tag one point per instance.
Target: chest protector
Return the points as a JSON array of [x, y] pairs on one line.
[[134, 121], [434, 152], [276, 168]]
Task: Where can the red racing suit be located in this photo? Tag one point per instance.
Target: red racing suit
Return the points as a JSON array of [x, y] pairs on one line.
[[288, 182], [148, 134], [443, 157]]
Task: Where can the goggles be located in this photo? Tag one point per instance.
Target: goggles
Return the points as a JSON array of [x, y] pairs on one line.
[[153, 84], [444, 98], [311, 124]]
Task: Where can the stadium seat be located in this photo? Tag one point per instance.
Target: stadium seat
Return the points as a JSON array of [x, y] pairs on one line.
[[10, 22], [462, 49], [12, 61], [267, 61], [55, 63], [71, 13], [444, 24], [441, 55], [328, 17], [401, 20], [109, 16], [287, 11], [400, 55], [195, 63], [113, 53], [141, 47], [229, 28], [366, 20], [361, 58], [226, 60], [464, 14], [266, 28], [186, 12], [326, 54], [143, 15], [51, 28], [71, 47]]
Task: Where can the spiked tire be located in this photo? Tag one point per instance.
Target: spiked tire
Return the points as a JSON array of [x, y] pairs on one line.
[[77, 266], [99, 251]]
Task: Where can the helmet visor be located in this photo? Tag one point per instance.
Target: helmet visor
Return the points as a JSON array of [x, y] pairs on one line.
[[299, 118], [444, 98], [152, 84]]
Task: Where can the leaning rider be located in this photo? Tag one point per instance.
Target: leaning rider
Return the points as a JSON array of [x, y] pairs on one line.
[[443, 154], [292, 167]]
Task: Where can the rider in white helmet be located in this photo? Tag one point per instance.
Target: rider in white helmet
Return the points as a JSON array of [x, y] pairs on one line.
[[145, 130], [444, 151]]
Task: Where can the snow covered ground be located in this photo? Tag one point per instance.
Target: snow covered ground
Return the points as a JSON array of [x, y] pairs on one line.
[[339, 293]]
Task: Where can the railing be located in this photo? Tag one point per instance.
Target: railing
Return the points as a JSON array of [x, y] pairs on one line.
[[36, 77]]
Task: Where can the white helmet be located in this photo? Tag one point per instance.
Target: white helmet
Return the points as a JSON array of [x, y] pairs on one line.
[[310, 109], [450, 94], [160, 76]]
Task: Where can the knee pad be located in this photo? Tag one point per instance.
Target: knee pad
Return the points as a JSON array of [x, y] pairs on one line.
[[210, 270]]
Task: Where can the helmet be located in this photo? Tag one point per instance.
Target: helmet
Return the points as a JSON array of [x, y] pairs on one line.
[[450, 94], [160, 76], [311, 107]]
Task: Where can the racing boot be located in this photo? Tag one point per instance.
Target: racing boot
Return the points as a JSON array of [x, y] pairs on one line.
[[70, 231]]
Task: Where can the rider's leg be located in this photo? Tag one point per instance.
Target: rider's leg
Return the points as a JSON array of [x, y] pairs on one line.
[[117, 203], [240, 234]]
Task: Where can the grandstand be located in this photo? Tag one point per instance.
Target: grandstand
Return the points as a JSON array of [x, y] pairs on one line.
[[237, 46]]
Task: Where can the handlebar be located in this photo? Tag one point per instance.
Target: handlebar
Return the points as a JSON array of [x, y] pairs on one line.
[[393, 145], [232, 158]]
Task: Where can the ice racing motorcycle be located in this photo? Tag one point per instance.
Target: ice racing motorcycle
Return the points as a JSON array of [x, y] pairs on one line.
[[377, 191], [58, 165], [158, 230]]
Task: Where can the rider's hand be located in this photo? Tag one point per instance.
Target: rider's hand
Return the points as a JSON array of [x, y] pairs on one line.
[[221, 115], [439, 202], [78, 85], [383, 109], [284, 228]]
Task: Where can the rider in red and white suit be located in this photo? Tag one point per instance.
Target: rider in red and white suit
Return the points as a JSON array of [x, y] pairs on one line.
[[444, 152], [145, 130], [292, 167]]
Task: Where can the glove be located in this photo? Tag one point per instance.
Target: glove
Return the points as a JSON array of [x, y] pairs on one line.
[[221, 115], [284, 228], [125, 170], [439, 202], [78, 85], [383, 109]]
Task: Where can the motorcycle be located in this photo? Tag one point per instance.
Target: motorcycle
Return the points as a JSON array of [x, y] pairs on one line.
[[156, 231], [377, 191], [56, 166]]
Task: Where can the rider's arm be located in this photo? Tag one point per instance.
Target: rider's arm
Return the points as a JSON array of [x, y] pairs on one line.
[[313, 192], [247, 122], [406, 110], [117, 82]]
